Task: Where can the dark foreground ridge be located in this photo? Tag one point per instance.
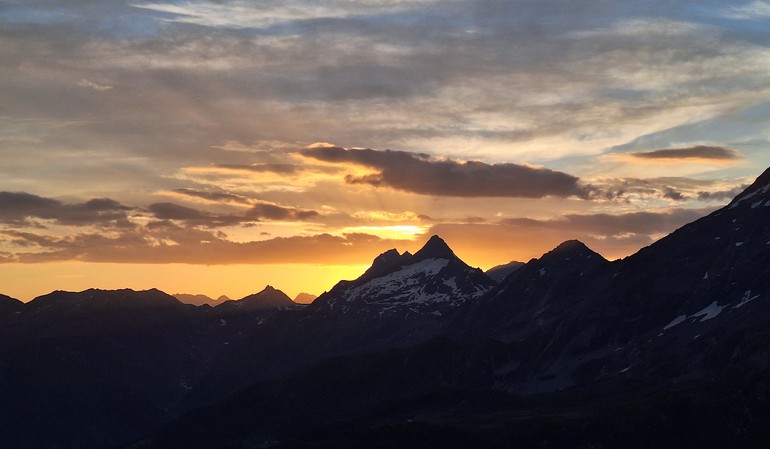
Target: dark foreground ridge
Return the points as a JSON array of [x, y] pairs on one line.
[[666, 348]]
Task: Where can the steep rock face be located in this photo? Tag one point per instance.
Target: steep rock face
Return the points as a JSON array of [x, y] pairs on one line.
[[432, 281]]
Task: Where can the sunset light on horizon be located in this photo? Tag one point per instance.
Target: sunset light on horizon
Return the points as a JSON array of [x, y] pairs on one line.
[[217, 147]]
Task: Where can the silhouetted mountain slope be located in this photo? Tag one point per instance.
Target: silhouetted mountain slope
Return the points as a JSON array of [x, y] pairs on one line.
[[9, 305], [402, 299], [305, 298], [199, 300], [268, 298], [540, 288], [500, 272], [666, 348], [99, 368], [645, 316], [335, 393]]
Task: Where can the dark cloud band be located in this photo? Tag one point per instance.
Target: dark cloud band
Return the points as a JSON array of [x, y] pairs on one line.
[[697, 152], [20, 207], [421, 174]]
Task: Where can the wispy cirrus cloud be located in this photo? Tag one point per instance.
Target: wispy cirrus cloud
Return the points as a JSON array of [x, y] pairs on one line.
[[756, 10], [242, 14]]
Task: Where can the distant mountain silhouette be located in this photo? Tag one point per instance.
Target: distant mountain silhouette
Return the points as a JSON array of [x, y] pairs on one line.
[[268, 298], [199, 300], [500, 272], [305, 298]]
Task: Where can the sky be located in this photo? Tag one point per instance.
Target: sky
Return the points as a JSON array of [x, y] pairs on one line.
[[218, 146]]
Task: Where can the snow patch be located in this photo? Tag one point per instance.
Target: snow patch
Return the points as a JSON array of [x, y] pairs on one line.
[[706, 276], [738, 243], [674, 322], [407, 288], [747, 298], [709, 312], [757, 204], [745, 197], [542, 272]]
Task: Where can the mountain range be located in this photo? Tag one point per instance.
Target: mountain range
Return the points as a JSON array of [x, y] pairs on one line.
[[668, 347]]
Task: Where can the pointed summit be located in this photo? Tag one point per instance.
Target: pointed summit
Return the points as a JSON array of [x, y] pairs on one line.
[[268, 298], [386, 262], [435, 248]]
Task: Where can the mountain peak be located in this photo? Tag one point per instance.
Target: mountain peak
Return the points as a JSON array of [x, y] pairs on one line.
[[268, 293], [571, 250], [386, 262], [570, 246], [268, 298], [435, 248]]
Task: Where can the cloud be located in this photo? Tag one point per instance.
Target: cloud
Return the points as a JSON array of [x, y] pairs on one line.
[[722, 195], [612, 235], [700, 152], [20, 207], [95, 86], [421, 174], [173, 244], [283, 169], [756, 10], [608, 225], [631, 190], [257, 212], [264, 14], [215, 197]]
